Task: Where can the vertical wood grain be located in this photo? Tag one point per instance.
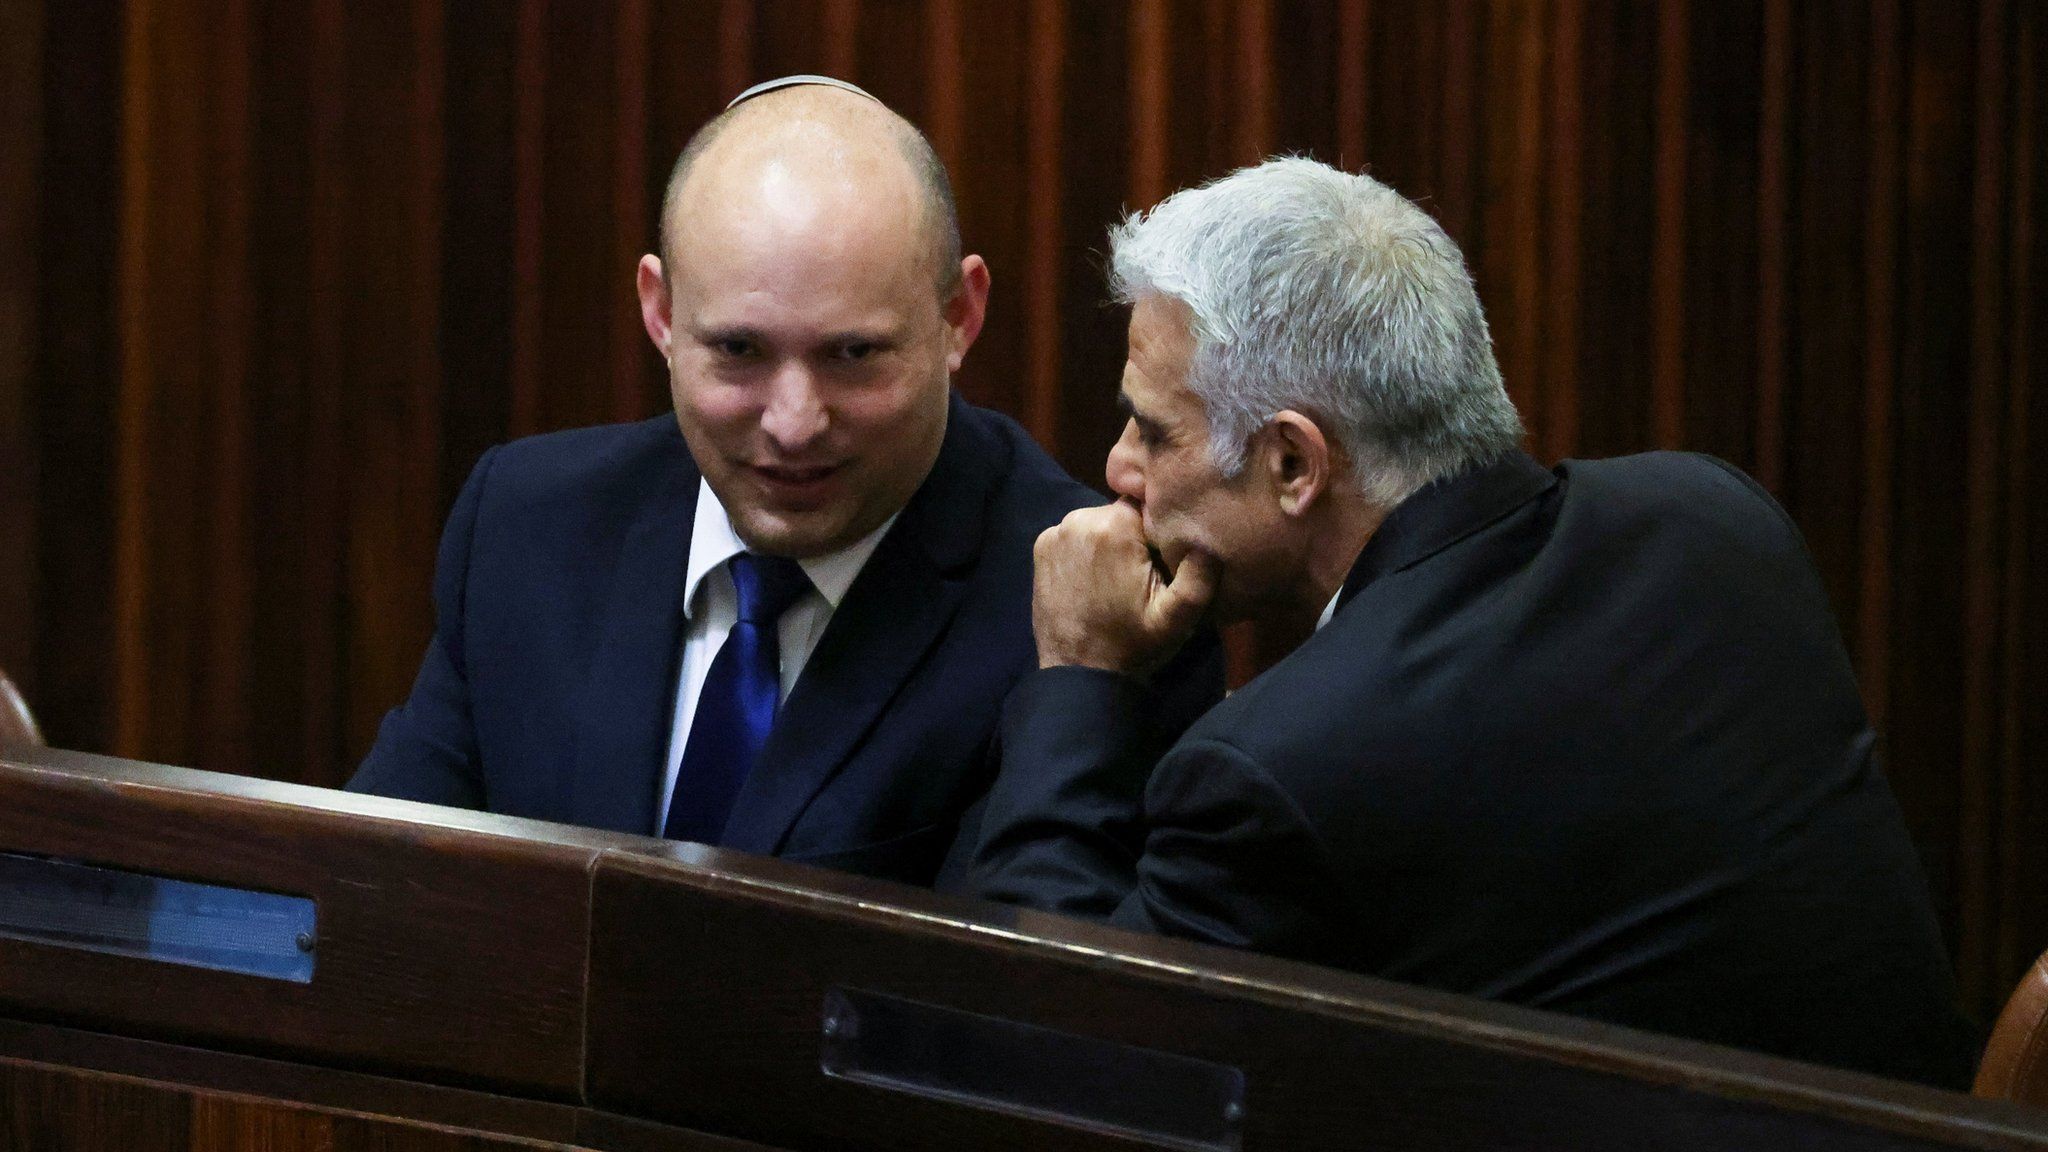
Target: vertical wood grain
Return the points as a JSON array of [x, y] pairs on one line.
[[840, 31], [1044, 105], [2023, 799], [1507, 249], [1557, 420], [1151, 33], [635, 380], [1354, 108], [1667, 278], [21, 146], [1873, 620], [529, 136], [230, 556], [1984, 541], [325, 380], [132, 630], [1772, 209], [1254, 87]]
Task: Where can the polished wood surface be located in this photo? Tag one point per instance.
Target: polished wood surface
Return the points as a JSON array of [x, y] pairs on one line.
[[426, 964], [57, 1109], [621, 992], [17, 723], [1332, 1060], [272, 276], [2015, 1063]]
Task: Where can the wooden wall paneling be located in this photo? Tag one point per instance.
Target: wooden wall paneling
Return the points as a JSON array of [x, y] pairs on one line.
[[1112, 86], [788, 38], [180, 559], [286, 625], [1404, 83], [1256, 87], [581, 286], [1885, 112], [1668, 247], [840, 32], [224, 550], [1984, 543], [1151, 72], [1507, 248], [21, 146], [638, 382], [1459, 38], [2023, 799], [43, 1107], [322, 444], [1618, 96], [890, 58], [76, 371], [1718, 317], [388, 367], [1044, 222], [981, 107], [1353, 89], [480, 198], [1303, 56], [1773, 225], [1930, 400], [1555, 421], [1828, 161], [529, 173]]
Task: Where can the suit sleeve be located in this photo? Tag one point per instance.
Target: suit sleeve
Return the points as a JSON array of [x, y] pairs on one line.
[[1061, 828], [426, 747], [1229, 858]]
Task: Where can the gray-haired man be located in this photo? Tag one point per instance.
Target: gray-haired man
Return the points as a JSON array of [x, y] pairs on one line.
[[1583, 738]]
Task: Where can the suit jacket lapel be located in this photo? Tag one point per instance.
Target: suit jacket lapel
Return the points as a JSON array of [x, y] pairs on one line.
[[628, 703], [895, 611]]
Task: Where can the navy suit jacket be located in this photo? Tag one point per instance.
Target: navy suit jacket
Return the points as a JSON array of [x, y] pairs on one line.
[[1587, 741], [549, 687]]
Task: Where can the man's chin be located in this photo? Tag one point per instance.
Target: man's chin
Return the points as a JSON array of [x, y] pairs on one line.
[[799, 536]]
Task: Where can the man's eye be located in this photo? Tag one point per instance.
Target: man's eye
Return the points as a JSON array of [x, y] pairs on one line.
[[733, 348], [859, 350]]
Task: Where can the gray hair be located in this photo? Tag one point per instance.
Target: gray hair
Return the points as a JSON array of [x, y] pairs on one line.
[[1327, 293]]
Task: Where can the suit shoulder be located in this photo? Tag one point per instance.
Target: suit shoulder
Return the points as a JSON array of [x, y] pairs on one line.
[[1031, 488], [580, 462], [1679, 494]]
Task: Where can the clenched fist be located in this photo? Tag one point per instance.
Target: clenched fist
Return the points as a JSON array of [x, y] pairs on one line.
[[1099, 601]]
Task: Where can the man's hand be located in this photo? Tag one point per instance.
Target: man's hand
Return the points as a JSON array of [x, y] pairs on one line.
[[1099, 601]]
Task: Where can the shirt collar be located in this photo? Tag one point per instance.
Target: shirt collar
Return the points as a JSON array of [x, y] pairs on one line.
[[713, 542]]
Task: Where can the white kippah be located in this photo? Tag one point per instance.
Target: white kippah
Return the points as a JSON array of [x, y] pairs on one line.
[[794, 81]]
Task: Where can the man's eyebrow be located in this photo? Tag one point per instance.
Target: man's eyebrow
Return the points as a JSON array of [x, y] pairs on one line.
[[719, 333], [1123, 403]]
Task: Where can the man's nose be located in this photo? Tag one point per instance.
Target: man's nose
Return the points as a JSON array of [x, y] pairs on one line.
[[1125, 477], [794, 416]]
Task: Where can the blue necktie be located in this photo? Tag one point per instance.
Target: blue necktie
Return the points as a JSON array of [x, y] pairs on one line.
[[736, 707]]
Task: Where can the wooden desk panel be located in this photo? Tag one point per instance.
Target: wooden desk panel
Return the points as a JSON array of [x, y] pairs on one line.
[[739, 962], [44, 1108], [445, 952]]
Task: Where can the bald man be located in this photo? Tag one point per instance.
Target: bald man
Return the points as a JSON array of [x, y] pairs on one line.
[[783, 620]]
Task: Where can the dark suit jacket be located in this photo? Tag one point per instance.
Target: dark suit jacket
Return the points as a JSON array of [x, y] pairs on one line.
[[1586, 741], [549, 686]]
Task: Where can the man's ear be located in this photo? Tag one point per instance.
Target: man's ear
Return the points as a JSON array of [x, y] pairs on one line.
[[1299, 460], [967, 309], [654, 303]]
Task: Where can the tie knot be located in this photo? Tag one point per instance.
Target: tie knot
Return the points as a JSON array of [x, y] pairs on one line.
[[767, 585]]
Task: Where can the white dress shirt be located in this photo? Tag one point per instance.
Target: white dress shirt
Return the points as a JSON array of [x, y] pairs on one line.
[[712, 606]]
